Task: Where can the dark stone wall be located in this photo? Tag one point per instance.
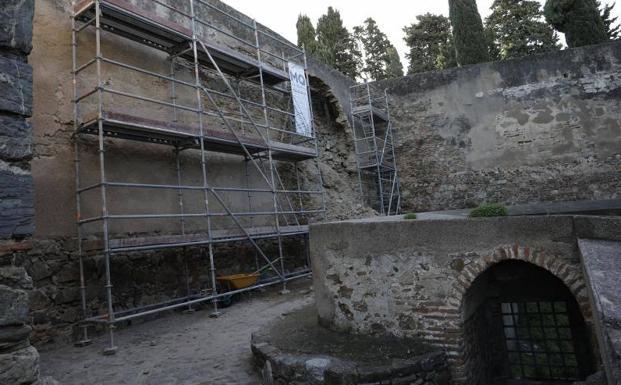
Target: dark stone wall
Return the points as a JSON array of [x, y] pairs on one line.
[[19, 361], [16, 195], [139, 278]]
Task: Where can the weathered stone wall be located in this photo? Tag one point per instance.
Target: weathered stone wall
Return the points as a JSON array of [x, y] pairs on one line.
[[409, 278], [541, 128], [19, 361]]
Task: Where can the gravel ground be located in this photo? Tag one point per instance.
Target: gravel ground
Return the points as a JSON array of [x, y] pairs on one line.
[[184, 349]]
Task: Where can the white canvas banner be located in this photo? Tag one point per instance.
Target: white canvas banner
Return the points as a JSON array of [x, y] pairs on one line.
[[301, 102]]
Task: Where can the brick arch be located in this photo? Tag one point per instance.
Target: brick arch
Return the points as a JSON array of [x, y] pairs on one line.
[[568, 273]]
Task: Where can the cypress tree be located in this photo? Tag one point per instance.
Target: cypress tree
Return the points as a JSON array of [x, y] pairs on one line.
[[376, 51], [394, 67], [517, 28], [468, 32], [431, 44], [612, 30], [306, 34], [580, 20], [335, 45]]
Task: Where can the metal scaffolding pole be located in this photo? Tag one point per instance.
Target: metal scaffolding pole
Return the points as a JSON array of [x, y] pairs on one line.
[[206, 191], [74, 48], [270, 160], [111, 349]]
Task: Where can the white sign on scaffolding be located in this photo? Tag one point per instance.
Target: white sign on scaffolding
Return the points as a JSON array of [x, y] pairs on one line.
[[301, 102]]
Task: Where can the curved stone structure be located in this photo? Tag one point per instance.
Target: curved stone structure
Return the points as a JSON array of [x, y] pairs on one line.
[[409, 278]]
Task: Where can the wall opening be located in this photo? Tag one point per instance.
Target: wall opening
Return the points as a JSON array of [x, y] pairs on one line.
[[522, 324]]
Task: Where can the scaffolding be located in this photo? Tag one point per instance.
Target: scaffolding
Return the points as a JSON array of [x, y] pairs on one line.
[[227, 92], [378, 177]]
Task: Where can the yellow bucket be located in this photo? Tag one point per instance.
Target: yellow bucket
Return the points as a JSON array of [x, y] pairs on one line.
[[239, 281]]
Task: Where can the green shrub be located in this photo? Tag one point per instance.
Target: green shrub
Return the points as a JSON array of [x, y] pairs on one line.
[[409, 216], [489, 210]]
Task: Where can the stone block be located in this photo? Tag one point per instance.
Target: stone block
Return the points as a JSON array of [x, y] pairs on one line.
[[15, 86], [16, 201], [14, 303], [16, 24], [47, 381], [14, 337], [15, 138], [20, 367], [15, 277]]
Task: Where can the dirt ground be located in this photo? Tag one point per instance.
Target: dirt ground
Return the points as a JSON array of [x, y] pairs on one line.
[[180, 349]]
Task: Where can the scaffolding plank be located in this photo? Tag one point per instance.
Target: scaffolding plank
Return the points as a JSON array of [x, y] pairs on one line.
[[124, 126], [366, 109], [145, 27], [170, 241]]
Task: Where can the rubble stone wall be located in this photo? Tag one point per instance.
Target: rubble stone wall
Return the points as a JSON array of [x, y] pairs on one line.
[[538, 129]]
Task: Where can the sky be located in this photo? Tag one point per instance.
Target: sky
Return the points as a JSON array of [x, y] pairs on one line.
[[390, 15]]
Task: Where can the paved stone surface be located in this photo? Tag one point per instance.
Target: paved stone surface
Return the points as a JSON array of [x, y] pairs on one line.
[[602, 266], [183, 349]]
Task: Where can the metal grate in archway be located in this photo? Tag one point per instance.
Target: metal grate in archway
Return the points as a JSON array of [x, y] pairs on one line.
[[539, 341]]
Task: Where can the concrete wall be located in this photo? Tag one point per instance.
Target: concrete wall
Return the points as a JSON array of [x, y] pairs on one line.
[[410, 278], [541, 128]]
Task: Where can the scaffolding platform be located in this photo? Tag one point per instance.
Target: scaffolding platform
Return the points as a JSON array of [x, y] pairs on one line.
[[124, 126], [125, 19], [237, 64], [378, 114], [119, 245]]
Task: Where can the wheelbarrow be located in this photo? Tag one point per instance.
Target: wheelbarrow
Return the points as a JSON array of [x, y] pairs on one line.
[[235, 282]]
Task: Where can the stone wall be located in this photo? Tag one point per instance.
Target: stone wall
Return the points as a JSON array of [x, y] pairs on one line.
[[541, 128], [602, 265], [19, 361], [410, 278]]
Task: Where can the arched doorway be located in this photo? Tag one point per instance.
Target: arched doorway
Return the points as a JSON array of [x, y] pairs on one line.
[[522, 324]]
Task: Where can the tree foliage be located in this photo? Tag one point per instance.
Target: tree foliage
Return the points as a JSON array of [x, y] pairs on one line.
[[394, 67], [431, 44], [470, 42], [580, 20], [516, 28], [306, 34], [335, 45], [380, 58], [612, 29]]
